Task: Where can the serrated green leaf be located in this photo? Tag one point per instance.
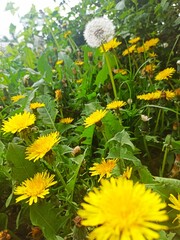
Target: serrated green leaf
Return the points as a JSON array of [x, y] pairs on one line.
[[29, 58], [44, 68], [123, 138]]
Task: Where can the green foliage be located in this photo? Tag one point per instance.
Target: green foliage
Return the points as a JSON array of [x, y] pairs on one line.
[[142, 135]]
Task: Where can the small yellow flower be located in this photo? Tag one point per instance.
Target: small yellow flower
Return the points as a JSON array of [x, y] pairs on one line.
[[110, 45], [122, 71], [79, 62], [41, 146], [18, 122], [120, 209], [79, 80], [95, 117], [127, 173], [36, 105], [17, 98], [148, 69], [66, 34], [175, 205], [58, 94], [60, 62], [151, 43], [34, 188], [165, 74], [152, 55], [150, 96], [103, 168], [66, 120], [134, 40], [129, 50], [115, 104], [170, 94]]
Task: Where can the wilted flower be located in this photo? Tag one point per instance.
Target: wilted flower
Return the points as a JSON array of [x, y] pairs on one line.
[[98, 31], [58, 94], [76, 150], [145, 118], [66, 34]]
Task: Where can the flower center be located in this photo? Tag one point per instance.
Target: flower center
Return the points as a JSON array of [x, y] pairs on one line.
[[99, 32]]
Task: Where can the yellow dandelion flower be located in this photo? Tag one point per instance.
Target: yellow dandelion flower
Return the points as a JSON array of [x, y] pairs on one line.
[[142, 49], [34, 188], [123, 210], [129, 50], [58, 94], [170, 94], [148, 69], [122, 71], [95, 117], [175, 205], [79, 62], [115, 105], [66, 120], [127, 173], [165, 74], [66, 34], [79, 80], [152, 55], [60, 62], [18, 122], [41, 146], [110, 45], [36, 105], [17, 98], [151, 43], [150, 96], [134, 40], [103, 168]]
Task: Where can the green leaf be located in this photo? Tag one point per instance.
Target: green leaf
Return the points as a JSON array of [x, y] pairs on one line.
[[21, 167], [123, 138], [101, 76], [29, 58], [48, 113], [87, 135], [44, 68], [3, 221], [44, 215], [12, 28]]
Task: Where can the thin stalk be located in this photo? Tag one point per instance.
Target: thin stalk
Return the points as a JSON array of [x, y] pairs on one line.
[[57, 45], [110, 73], [157, 121], [177, 39], [60, 176], [146, 148], [164, 161]]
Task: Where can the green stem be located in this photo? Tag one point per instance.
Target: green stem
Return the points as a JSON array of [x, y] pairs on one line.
[[110, 73], [164, 161], [146, 148], [177, 39], [60, 177], [157, 121]]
